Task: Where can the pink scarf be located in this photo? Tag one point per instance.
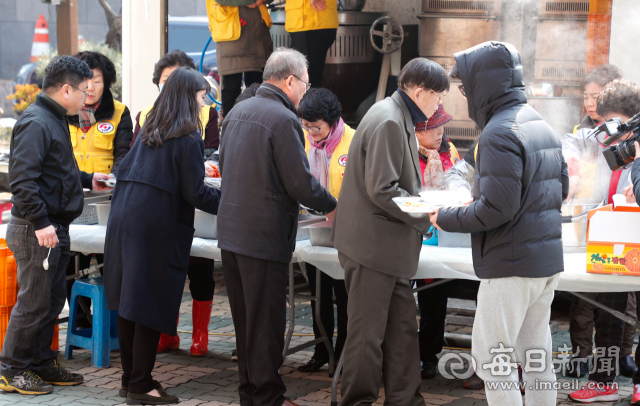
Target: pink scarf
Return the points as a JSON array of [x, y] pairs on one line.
[[320, 153]]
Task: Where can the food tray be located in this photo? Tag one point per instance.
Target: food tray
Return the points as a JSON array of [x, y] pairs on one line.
[[417, 212], [89, 214]]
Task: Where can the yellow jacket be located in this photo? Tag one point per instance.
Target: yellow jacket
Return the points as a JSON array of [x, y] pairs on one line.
[[224, 21], [204, 117], [338, 160], [94, 150], [302, 17]]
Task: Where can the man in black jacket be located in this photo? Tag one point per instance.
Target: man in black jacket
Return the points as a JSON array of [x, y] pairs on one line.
[[520, 182], [265, 173], [47, 196]]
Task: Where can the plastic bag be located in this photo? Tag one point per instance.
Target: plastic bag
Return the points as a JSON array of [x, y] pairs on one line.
[[460, 176], [211, 170]]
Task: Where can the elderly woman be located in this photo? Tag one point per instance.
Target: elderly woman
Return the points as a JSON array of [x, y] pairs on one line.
[[592, 85], [437, 155], [327, 144], [582, 314], [100, 135], [150, 230]]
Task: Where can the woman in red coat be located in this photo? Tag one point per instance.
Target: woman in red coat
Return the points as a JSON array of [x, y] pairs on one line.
[[437, 153]]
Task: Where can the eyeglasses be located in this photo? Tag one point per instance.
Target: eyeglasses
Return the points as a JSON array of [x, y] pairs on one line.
[[441, 96], [306, 84], [85, 93], [311, 129], [461, 87]]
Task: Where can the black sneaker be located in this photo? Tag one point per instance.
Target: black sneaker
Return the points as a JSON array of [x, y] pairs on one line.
[[234, 355], [57, 375], [26, 383]]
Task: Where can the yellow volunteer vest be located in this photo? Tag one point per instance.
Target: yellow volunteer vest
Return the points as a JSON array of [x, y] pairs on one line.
[[204, 117], [224, 21], [338, 160], [94, 150], [300, 16], [455, 155]]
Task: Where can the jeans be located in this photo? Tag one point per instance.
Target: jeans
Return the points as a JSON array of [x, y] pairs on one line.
[[27, 344]]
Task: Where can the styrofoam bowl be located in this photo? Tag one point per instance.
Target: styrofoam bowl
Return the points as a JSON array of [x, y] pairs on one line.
[[446, 198]]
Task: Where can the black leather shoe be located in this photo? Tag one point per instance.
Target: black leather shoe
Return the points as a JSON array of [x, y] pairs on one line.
[[628, 366], [578, 367], [313, 365], [428, 370]]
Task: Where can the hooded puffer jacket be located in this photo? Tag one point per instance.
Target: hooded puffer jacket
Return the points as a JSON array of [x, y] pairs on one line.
[[521, 178]]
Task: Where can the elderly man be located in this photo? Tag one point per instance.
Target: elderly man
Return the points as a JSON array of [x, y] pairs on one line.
[[265, 174], [520, 182], [379, 245]]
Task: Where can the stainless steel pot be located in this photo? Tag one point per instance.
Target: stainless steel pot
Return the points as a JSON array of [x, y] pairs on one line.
[[351, 5], [574, 223], [303, 232], [320, 233]]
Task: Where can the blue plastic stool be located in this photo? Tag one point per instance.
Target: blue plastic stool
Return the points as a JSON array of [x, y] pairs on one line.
[[103, 337]]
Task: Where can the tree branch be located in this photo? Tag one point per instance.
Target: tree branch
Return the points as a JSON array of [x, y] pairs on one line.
[[111, 15]]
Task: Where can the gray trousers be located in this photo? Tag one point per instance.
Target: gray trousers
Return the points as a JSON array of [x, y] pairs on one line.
[[382, 343], [513, 313], [27, 344]]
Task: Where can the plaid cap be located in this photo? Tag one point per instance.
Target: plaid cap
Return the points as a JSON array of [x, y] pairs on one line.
[[439, 118]]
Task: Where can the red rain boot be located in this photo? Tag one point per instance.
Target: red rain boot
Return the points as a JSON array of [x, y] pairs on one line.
[[201, 317], [168, 342]]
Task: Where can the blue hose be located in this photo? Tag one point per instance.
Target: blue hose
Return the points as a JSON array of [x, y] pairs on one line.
[[201, 62]]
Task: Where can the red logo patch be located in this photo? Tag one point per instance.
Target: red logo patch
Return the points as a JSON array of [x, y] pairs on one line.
[[342, 161], [105, 127]]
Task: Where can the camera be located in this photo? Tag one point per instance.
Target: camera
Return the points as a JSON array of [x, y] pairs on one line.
[[623, 153]]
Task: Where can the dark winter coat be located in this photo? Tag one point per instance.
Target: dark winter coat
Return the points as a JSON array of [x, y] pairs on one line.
[[43, 173], [265, 173], [521, 178], [124, 132], [150, 229]]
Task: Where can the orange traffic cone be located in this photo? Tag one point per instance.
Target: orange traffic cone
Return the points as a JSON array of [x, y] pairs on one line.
[[40, 39]]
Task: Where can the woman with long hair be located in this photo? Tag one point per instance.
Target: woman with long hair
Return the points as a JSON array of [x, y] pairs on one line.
[[150, 229]]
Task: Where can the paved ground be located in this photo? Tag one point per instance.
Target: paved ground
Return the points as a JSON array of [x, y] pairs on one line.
[[213, 380]]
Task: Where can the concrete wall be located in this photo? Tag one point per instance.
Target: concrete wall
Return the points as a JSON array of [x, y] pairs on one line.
[[624, 51]]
